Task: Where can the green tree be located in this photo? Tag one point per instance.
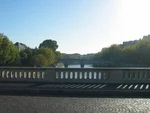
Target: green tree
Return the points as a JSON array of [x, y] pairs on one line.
[[49, 44], [132, 52], [9, 54], [48, 54], [58, 55], [39, 60], [26, 57]]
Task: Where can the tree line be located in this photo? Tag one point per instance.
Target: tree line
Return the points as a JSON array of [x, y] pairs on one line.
[[19, 54], [136, 53], [46, 55]]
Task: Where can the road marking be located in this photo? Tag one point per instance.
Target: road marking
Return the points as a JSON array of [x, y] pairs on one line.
[[119, 86]]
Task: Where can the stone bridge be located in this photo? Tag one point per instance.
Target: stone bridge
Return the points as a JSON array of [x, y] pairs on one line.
[[75, 80], [82, 62]]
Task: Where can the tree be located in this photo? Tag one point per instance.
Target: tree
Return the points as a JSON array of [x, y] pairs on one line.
[[49, 44], [47, 53], [9, 54], [58, 55], [131, 52], [39, 60], [26, 57]]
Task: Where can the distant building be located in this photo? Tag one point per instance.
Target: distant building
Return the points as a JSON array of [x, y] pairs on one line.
[[127, 43], [20, 46], [146, 37], [130, 42]]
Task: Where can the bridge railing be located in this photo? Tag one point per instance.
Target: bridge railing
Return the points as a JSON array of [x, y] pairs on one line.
[[75, 75]]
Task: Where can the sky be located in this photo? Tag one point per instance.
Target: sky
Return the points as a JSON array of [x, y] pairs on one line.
[[78, 26]]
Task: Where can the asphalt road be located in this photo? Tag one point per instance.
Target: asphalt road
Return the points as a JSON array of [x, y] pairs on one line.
[[36, 104]]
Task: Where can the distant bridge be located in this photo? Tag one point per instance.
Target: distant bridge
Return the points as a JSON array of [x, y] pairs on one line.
[[82, 62]]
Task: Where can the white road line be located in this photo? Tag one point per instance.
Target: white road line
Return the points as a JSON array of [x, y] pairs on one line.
[[119, 86]]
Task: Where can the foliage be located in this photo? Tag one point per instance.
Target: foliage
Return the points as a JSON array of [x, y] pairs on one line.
[[9, 54], [58, 55], [128, 53], [26, 57], [19, 54], [46, 55], [49, 44], [39, 60]]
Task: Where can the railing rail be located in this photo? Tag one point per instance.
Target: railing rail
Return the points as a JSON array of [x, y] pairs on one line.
[[75, 75]]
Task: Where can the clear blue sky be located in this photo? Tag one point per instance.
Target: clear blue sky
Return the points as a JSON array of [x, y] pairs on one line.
[[79, 26]]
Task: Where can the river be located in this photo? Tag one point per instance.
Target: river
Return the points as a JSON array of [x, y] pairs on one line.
[[75, 66]]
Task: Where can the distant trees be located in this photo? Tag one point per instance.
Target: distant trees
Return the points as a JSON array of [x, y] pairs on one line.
[[40, 57], [19, 54], [135, 53], [49, 44]]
